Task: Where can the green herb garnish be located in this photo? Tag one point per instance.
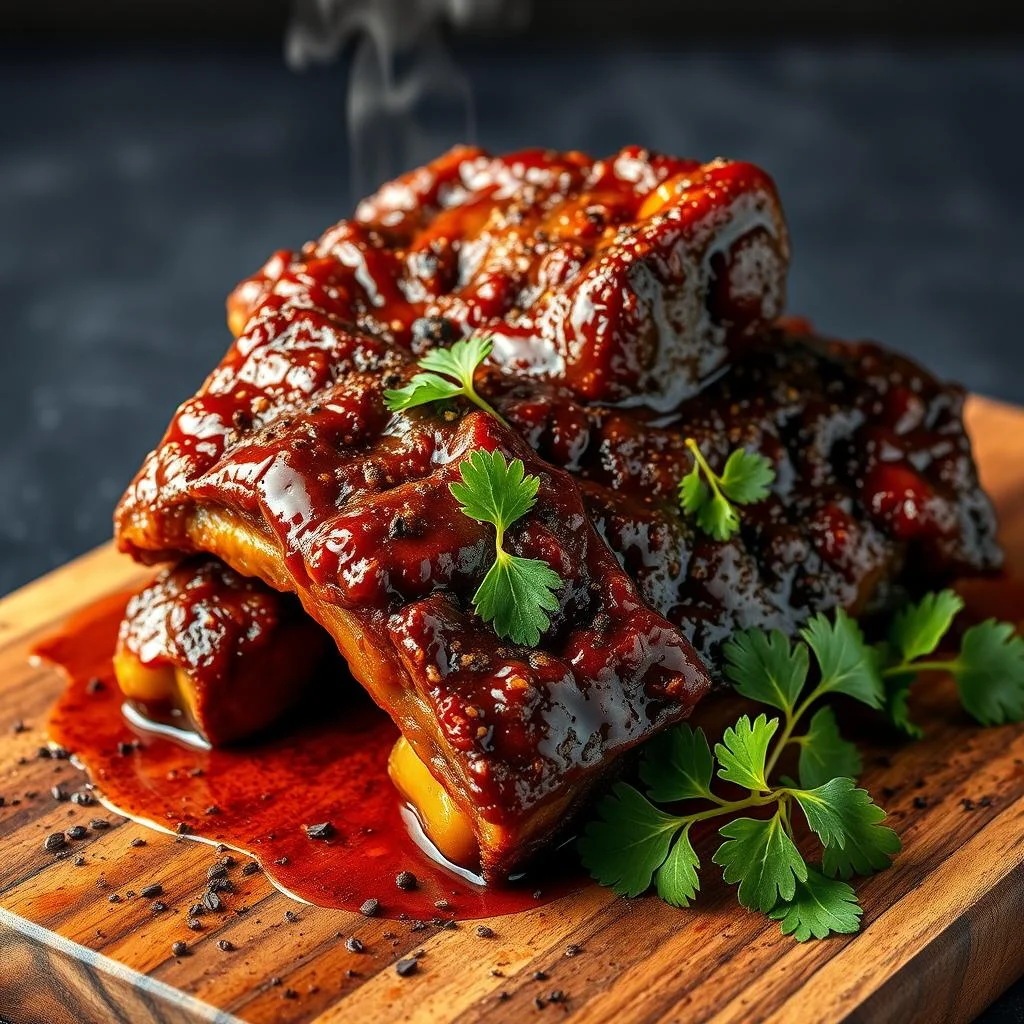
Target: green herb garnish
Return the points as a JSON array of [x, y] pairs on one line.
[[449, 374], [634, 844], [745, 480], [516, 593]]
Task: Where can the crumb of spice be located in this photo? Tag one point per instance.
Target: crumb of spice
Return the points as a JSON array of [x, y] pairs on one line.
[[484, 932], [54, 841], [370, 908], [405, 880], [99, 824], [540, 976], [194, 924], [83, 798], [157, 907], [138, 841], [212, 902], [920, 803], [967, 803], [406, 967], [216, 871], [58, 794], [225, 945], [354, 945], [324, 830], [290, 993], [151, 891], [79, 861], [573, 949], [442, 904], [251, 868], [77, 832], [290, 916], [179, 948], [183, 828]]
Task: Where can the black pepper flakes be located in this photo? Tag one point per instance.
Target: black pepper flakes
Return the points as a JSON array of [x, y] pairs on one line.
[[196, 926], [573, 949], [79, 861], [77, 832], [418, 926], [183, 828], [179, 948], [920, 803], [83, 798], [225, 945], [540, 976], [406, 880], [484, 932], [354, 945], [290, 993], [138, 841], [967, 803], [196, 910], [370, 908], [212, 902], [290, 916], [95, 685], [124, 749], [557, 996], [221, 885], [282, 861], [98, 824], [59, 794], [406, 967], [113, 898], [251, 868], [150, 892], [324, 830], [54, 841], [158, 907], [216, 871], [228, 861], [19, 726]]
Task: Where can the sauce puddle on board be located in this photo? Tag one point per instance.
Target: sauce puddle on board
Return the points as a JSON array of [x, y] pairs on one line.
[[329, 766]]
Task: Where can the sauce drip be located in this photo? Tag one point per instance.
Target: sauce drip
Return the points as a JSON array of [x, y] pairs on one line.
[[329, 767]]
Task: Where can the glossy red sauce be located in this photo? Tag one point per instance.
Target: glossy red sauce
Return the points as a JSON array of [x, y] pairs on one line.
[[330, 767]]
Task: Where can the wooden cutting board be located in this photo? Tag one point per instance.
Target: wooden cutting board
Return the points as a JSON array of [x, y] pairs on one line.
[[941, 935]]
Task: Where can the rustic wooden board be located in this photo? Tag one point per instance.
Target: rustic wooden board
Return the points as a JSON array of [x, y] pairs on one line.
[[941, 929]]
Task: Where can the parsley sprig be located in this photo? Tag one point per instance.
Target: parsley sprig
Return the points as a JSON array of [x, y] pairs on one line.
[[988, 669], [517, 592], [448, 373], [745, 480], [635, 844]]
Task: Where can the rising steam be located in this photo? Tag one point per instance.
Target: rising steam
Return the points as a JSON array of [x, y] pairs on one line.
[[407, 100]]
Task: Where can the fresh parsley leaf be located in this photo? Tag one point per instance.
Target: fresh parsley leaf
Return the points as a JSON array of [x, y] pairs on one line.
[[746, 479], [846, 820], [897, 708], [677, 765], [763, 859], [676, 880], [517, 592], [989, 673], [918, 628], [459, 362], [766, 667], [494, 490], [848, 664], [824, 754], [743, 750], [630, 843], [820, 907]]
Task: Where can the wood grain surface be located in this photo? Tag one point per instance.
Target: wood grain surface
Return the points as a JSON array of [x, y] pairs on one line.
[[941, 935]]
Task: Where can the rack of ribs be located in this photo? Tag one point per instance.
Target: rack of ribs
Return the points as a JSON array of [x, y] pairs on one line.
[[631, 302]]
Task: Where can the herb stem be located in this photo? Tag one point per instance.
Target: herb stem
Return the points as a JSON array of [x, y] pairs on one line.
[[470, 392], [729, 806], [920, 666], [709, 474]]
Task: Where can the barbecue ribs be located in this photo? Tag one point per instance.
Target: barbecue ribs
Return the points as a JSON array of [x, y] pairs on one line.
[[631, 302]]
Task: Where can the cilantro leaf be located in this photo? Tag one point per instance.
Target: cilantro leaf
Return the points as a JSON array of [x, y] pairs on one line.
[[820, 907], [824, 754], [677, 765], [630, 843], [847, 822], [897, 708], [743, 750], [515, 595], [989, 673], [917, 630], [459, 362], [676, 880], [493, 490], [848, 664], [747, 477], [517, 592], [421, 390], [766, 667], [763, 859]]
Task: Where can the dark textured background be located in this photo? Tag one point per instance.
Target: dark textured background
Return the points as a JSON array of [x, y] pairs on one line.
[[139, 183]]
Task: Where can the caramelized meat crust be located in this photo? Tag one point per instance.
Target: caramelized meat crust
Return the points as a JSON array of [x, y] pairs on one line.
[[876, 492], [627, 279], [203, 648]]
